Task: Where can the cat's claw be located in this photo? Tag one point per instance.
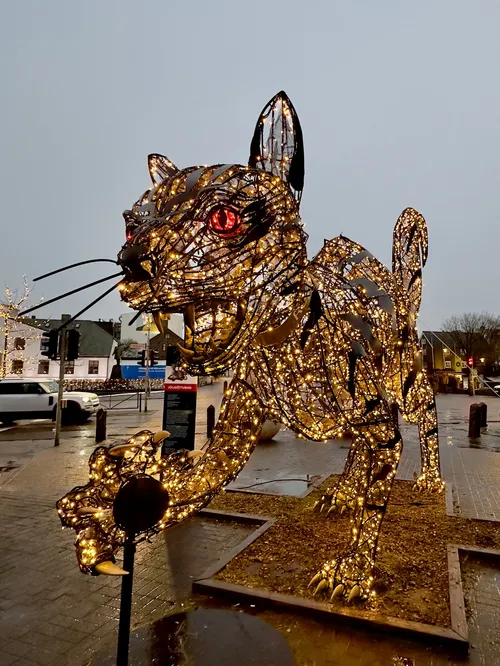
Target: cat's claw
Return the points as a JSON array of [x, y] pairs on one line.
[[348, 577]]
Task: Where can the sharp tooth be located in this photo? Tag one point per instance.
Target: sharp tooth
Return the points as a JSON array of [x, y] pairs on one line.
[[158, 321], [188, 336], [187, 353], [240, 313], [190, 316]]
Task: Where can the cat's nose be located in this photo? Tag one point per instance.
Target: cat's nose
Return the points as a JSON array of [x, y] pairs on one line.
[[131, 258]]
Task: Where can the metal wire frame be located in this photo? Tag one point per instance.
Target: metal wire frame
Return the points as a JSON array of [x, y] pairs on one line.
[[325, 345]]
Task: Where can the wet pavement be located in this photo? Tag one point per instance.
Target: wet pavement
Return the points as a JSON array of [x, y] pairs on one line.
[[482, 589], [51, 614], [206, 637]]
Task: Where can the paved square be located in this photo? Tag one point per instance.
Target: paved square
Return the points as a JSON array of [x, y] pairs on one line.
[[52, 614]]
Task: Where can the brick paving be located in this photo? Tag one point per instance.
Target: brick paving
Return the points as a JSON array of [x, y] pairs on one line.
[[52, 614], [482, 585]]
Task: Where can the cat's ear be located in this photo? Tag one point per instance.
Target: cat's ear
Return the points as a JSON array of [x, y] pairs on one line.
[[160, 168], [277, 144]]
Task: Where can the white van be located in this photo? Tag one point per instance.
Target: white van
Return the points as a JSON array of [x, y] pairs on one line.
[[37, 399]]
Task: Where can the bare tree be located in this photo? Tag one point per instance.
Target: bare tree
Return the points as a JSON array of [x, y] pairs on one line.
[[475, 334], [15, 332]]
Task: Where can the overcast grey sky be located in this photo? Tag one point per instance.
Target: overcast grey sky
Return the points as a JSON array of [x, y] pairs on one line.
[[399, 103]]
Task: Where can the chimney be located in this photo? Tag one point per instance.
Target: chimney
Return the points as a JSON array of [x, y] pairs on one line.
[[65, 317]]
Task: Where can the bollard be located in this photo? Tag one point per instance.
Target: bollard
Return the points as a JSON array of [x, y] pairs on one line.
[[100, 425], [474, 421], [483, 415], [210, 420], [225, 385]]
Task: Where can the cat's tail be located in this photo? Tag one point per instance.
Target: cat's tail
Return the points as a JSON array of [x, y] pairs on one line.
[[409, 255]]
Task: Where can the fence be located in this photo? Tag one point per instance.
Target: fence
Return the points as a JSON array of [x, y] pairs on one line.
[[121, 400], [116, 401]]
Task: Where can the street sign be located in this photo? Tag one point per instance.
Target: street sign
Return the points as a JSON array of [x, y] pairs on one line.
[[179, 409], [135, 371]]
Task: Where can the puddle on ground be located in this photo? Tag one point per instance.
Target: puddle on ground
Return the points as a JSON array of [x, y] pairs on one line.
[[206, 637]]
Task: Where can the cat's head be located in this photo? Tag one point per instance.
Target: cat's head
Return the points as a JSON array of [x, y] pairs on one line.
[[223, 244]]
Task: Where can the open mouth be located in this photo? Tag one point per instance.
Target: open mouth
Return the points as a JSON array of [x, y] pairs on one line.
[[210, 327]]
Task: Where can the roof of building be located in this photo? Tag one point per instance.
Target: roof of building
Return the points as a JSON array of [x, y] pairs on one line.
[[94, 340], [438, 338]]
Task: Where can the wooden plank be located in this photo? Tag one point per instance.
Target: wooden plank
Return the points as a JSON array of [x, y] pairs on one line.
[[363, 618]]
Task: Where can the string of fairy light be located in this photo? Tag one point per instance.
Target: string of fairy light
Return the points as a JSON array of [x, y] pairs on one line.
[[325, 346], [14, 327]]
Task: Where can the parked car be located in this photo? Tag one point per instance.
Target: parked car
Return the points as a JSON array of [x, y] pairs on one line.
[[37, 399]]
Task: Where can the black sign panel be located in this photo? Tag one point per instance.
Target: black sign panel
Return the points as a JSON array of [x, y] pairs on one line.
[[179, 411]]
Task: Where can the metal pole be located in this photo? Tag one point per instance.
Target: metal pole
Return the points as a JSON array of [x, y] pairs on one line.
[[146, 380], [62, 360], [5, 348], [126, 602]]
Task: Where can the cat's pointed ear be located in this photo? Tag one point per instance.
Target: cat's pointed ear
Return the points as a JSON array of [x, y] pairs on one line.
[[160, 168], [277, 144]]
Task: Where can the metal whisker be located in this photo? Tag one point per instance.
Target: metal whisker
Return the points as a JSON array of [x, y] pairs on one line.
[[78, 263], [87, 307], [136, 317], [69, 293]]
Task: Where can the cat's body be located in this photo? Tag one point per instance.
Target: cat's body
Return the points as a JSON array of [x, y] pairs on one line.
[[325, 346]]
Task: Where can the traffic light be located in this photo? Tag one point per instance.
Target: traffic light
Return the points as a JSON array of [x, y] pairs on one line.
[[152, 357], [470, 362], [142, 362], [49, 345], [73, 345]]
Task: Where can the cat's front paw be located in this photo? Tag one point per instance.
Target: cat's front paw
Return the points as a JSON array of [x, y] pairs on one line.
[[339, 499], [429, 481]]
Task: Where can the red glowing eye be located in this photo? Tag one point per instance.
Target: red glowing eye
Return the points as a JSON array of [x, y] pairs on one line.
[[225, 222]]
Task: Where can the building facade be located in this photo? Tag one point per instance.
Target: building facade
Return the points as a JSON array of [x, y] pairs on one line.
[[445, 365], [21, 350]]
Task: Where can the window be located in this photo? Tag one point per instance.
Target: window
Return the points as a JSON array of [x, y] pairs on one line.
[[49, 387], [43, 367], [32, 388], [11, 388], [69, 367], [447, 364], [17, 367], [19, 343], [93, 367]]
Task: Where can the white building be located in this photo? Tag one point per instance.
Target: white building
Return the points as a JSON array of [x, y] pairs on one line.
[[24, 358], [130, 332]]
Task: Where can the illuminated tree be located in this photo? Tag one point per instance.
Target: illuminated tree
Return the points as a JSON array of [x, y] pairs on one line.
[[475, 335], [15, 332]]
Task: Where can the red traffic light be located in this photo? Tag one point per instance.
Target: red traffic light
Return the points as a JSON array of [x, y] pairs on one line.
[[470, 362]]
